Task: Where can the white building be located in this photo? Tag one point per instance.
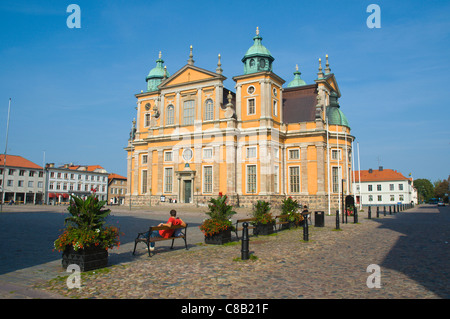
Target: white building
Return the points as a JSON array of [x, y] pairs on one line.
[[21, 180], [383, 187], [78, 180]]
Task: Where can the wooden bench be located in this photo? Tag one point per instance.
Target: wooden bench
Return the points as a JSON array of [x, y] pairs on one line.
[[141, 238]]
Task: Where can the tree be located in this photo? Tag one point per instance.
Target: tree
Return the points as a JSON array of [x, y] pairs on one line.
[[425, 189], [441, 189]]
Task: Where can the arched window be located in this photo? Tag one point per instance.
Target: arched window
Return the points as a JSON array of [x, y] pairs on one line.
[[170, 115], [209, 110]]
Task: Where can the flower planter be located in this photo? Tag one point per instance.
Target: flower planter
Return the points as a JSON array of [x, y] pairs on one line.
[[219, 238], [89, 258], [263, 229]]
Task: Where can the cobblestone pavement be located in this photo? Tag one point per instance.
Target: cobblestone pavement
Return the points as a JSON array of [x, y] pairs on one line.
[[411, 248]]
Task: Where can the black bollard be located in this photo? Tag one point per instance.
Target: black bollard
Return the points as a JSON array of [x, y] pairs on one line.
[[355, 215], [337, 219], [245, 253], [305, 229], [384, 210], [378, 212], [390, 210], [370, 212]]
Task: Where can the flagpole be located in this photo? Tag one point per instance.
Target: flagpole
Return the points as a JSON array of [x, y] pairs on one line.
[[4, 158]]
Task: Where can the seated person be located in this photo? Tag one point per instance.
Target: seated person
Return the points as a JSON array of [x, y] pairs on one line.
[[166, 233]]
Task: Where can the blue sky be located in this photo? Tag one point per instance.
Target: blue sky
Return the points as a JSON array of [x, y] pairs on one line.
[[73, 90]]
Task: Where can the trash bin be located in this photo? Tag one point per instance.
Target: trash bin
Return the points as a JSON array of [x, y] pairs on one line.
[[319, 219]]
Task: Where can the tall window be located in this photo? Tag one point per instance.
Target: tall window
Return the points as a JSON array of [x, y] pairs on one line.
[[209, 110], [170, 115], [188, 112], [207, 179], [251, 179], [275, 180], [168, 178], [251, 109], [275, 108], [294, 179], [147, 120], [144, 182], [335, 178]]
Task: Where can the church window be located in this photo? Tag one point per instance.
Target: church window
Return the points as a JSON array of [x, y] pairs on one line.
[[251, 179], [252, 63], [335, 175], [251, 152], [207, 179], [275, 108], [294, 179], [168, 156], [294, 154], [207, 153], [168, 178], [251, 89], [188, 112], [144, 181], [147, 120], [251, 109], [170, 115], [209, 110], [262, 63]]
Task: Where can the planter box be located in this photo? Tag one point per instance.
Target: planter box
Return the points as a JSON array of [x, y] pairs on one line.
[[263, 229], [87, 258], [219, 239]]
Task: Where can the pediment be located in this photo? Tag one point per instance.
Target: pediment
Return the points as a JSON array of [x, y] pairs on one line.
[[190, 74]]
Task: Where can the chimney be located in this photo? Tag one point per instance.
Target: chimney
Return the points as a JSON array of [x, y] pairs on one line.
[[380, 168], [370, 171]]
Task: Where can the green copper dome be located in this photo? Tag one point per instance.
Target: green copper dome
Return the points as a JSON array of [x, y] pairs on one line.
[[257, 49], [155, 76], [334, 114], [297, 81], [336, 117], [257, 58]]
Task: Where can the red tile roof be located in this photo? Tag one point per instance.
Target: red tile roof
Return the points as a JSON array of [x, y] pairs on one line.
[[17, 161], [116, 176], [379, 176], [89, 168]]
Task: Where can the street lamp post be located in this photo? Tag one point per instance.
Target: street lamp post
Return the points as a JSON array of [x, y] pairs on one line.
[[4, 158]]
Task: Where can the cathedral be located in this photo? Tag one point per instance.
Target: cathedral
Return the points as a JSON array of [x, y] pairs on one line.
[[193, 139]]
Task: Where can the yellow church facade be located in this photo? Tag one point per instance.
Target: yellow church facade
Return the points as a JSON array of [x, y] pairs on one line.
[[193, 139]]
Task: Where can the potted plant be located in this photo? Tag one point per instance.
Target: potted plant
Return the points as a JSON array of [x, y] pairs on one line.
[[217, 229], [290, 208], [264, 222], [86, 239]]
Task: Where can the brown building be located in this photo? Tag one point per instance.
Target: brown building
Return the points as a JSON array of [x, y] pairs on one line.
[[117, 188]]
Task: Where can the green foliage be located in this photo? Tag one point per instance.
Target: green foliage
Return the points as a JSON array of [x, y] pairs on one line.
[[261, 211], [290, 207], [440, 189], [220, 214], [86, 214], [219, 209], [85, 227], [425, 189]]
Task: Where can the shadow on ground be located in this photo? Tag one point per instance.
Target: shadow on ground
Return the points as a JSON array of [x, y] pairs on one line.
[[422, 252], [26, 239]]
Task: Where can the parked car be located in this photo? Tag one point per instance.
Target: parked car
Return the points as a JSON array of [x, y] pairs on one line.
[[441, 203]]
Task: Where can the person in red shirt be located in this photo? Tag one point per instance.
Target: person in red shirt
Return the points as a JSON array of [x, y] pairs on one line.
[[166, 233]]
